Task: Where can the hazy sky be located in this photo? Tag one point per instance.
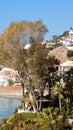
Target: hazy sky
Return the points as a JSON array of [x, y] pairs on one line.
[[56, 14]]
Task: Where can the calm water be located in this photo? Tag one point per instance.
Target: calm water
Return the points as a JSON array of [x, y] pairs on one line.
[[7, 106]]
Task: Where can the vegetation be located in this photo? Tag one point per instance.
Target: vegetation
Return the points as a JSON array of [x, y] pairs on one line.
[[37, 121], [70, 53], [66, 33], [38, 73], [13, 52], [57, 38], [33, 65]]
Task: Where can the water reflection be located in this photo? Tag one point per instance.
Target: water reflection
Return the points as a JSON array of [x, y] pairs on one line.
[[7, 106]]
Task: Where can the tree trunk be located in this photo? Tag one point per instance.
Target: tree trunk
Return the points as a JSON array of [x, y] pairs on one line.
[[67, 107], [49, 88], [59, 102], [33, 101], [23, 93], [40, 105]]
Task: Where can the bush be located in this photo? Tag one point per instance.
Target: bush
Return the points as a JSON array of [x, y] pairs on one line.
[[70, 53], [48, 110], [11, 82]]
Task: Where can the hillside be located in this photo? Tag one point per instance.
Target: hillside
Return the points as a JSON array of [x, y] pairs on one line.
[[35, 121], [60, 53]]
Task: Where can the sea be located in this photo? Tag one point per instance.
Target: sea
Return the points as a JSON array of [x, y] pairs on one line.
[[8, 106]]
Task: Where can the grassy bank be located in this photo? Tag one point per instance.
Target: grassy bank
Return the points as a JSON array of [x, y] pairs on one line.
[[36, 121]]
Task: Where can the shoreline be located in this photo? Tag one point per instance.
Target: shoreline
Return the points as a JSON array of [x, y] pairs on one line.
[[14, 92], [11, 92], [5, 95]]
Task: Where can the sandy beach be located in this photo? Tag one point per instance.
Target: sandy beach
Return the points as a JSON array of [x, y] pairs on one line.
[[11, 92]]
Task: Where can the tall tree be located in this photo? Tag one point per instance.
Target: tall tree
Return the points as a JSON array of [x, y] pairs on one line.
[[12, 44], [41, 66], [16, 35]]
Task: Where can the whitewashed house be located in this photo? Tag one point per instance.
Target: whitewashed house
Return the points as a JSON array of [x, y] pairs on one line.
[[65, 66], [68, 40], [7, 75], [4, 81], [27, 46]]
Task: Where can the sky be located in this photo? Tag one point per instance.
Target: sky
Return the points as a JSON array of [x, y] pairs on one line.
[[57, 15]]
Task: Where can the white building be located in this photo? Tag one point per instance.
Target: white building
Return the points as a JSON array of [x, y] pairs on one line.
[[68, 40], [7, 75], [4, 81], [27, 46], [65, 66], [71, 32]]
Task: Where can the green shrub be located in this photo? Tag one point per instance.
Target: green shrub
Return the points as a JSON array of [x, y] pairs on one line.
[[11, 82], [70, 53], [48, 110]]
